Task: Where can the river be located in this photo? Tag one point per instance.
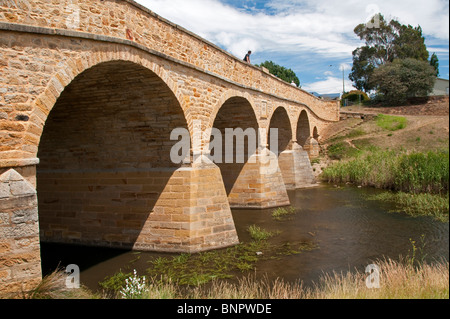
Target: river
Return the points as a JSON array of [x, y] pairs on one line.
[[349, 230]]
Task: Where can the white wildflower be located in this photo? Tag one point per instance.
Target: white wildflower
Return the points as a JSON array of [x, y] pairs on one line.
[[135, 287]]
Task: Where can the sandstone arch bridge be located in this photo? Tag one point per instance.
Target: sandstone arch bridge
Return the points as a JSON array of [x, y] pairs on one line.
[[89, 93]]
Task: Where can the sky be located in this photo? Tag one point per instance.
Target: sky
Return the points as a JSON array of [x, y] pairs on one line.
[[314, 38]]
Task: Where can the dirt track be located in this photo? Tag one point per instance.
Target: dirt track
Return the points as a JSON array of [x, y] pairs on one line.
[[435, 106]]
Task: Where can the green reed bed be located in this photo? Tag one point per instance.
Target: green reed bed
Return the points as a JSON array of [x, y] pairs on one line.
[[407, 172], [420, 180], [191, 270], [422, 204]]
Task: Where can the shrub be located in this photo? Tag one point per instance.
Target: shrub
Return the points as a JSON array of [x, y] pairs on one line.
[[355, 96]]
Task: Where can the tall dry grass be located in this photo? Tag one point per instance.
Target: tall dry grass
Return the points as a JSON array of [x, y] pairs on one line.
[[398, 280]]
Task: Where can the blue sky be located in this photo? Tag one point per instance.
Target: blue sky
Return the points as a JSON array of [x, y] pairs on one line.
[[312, 37]]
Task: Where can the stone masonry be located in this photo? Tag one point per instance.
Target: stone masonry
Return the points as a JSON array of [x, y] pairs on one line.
[[89, 94]]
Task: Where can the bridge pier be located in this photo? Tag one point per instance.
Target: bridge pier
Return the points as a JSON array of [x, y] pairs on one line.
[[192, 214], [20, 259], [170, 210], [260, 184], [312, 147], [296, 168]]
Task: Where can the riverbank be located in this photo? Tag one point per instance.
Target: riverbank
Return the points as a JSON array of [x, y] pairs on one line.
[[406, 155]]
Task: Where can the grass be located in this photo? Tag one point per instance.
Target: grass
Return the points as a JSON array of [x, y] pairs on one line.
[[398, 280], [391, 123], [53, 286], [201, 268], [436, 206], [342, 150], [352, 134], [421, 180], [282, 213], [258, 234], [400, 171]]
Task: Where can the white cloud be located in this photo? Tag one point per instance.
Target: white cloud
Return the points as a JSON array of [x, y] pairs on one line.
[[238, 31], [316, 26], [306, 35], [328, 86]]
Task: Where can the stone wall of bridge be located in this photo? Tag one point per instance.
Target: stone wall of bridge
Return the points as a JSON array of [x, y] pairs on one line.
[[86, 112], [127, 20]]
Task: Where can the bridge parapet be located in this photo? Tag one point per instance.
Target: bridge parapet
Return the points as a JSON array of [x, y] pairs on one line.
[[132, 22]]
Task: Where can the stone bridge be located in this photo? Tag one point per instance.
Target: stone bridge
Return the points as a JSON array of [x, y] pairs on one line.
[[90, 92]]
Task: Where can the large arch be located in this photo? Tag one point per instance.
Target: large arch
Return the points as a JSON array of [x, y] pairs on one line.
[[68, 69], [105, 156]]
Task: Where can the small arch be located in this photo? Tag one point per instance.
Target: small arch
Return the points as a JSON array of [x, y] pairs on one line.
[[232, 94], [280, 120], [303, 128], [236, 112], [316, 133]]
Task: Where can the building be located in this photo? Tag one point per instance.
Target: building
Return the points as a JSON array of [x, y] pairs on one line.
[[440, 88]]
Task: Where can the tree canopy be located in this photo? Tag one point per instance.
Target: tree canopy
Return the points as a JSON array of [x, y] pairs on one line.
[[434, 62], [281, 72], [384, 43], [403, 78]]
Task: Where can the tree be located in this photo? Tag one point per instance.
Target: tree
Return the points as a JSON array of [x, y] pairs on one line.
[[410, 43], [403, 78], [434, 62], [384, 43], [281, 72], [362, 68]]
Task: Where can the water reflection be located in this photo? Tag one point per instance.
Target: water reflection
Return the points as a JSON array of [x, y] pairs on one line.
[[350, 231]]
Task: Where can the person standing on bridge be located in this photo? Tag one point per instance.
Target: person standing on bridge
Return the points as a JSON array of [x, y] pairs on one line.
[[247, 57]]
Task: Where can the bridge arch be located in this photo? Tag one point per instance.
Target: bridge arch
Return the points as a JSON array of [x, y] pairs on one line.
[[236, 112], [280, 120], [69, 69], [316, 134], [226, 96], [303, 128], [105, 156]]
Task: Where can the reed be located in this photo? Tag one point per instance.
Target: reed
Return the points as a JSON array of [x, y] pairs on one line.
[[398, 280], [407, 172]]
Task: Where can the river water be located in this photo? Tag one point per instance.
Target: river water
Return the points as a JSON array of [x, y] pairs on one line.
[[350, 232]]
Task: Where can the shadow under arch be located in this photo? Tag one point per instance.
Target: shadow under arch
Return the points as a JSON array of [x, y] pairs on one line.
[[280, 120], [105, 156], [235, 113], [303, 128]]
